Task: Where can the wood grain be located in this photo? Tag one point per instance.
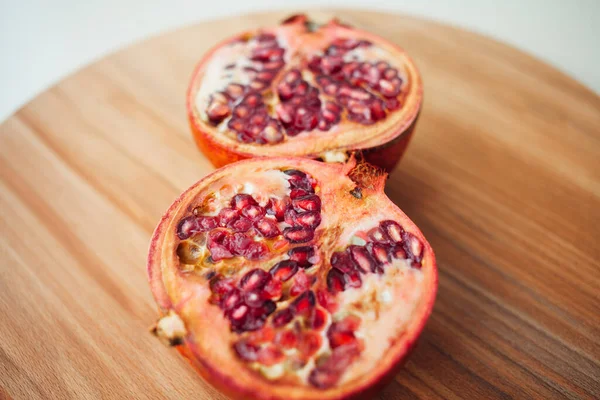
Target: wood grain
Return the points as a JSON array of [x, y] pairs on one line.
[[503, 177]]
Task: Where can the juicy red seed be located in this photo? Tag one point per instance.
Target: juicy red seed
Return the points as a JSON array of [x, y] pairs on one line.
[[392, 104], [231, 299], [236, 124], [352, 280], [397, 251], [267, 228], [323, 378], [302, 283], [227, 215], [298, 234], [270, 355], [331, 65], [235, 90], [335, 281], [253, 299], [377, 110], [246, 351], [219, 252], [207, 223], [217, 112], [318, 319], [217, 236], [267, 54], [187, 227], [241, 112], [363, 259], [307, 203], [304, 303], [299, 180], [254, 280], [379, 252], [286, 339], [276, 207], [242, 200], [292, 76], [342, 261], [349, 323], [294, 193], [390, 88], [309, 219], [256, 251], [378, 235], [273, 289], [252, 100], [290, 216], [337, 339], [284, 270], [326, 300], [302, 255], [308, 343], [240, 225], [414, 248], [282, 317], [237, 243], [253, 212], [238, 313], [305, 120], [221, 286]]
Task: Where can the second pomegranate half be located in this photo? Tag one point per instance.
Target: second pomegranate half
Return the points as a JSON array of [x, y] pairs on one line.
[[299, 89]]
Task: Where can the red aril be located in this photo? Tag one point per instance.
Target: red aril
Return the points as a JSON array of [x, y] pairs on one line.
[[307, 90], [327, 315]]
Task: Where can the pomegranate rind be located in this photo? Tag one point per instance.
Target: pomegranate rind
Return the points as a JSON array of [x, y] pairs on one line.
[[385, 141], [213, 359]]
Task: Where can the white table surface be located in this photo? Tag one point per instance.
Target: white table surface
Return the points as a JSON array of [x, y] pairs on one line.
[[42, 41]]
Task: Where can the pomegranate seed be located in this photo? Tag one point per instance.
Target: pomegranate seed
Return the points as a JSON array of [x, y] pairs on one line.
[[242, 200], [298, 234], [187, 227], [397, 251], [392, 104], [307, 203], [342, 261], [335, 281], [290, 216], [256, 251], [217, 112], [292, 76], [227, 215], [350, 323], [207, 223], [309, 343], [330, 117], [236, 125], [270, 355], [252, 100], [267, 54], [377, 110], [389, 73], [302, 255], [264, 335], [282, 317], [272, 132], [323, 125], [393, 230], [273, 65], [217, 236], [379, 235], [266, 76], [315, 64], [241, 111], [379, 252], [253, 299], [246, 351], [285, 113], [309, 219], [231, 300], [323, 378], [352, 280], [331, 65], [254, 280], [294, 193], [221, 286], [390, 88], [301, 88], [305, 120], [414, 248], [253, 212], [337, 339], [284, 270], [359, 94], [318, 319], [265, 37], [302, 283], [327, 301], [299, 179], [267, 228], [218, 252], [237, 243], [273, 289], [331, 89], [240, 225], [235, 90], [362, 259], [277, 207], [287, 339], [304, 303], [238, 313]]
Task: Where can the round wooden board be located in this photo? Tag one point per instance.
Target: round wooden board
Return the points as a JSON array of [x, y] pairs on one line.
[[503, 177]]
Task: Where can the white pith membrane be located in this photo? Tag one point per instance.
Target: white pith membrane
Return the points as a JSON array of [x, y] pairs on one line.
[[335, 130], [384, 303]]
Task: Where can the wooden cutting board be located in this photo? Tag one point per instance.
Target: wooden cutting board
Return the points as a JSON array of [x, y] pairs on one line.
[[503, 177]]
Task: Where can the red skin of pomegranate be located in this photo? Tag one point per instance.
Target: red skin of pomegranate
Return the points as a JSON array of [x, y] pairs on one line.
[[207, 330], [382, 142]]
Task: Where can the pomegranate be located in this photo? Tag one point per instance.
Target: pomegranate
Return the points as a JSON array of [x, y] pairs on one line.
[[299, 89], [288, 278]]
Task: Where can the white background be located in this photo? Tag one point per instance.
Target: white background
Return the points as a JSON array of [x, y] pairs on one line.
[[43, 41]]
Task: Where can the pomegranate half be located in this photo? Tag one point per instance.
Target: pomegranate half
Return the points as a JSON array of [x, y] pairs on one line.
[[299, 89], [288, 278]]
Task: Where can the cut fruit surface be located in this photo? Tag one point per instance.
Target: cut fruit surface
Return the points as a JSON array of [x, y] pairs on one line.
[[320, 310], [298, 89]]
